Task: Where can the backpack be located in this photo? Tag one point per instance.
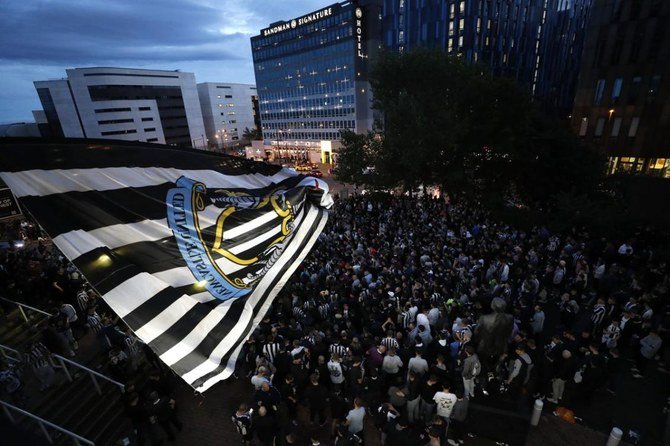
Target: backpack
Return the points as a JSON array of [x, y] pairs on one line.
[[476, 368]]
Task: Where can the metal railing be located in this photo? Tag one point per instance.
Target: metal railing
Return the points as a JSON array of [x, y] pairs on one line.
[[63, 365], [3, 351], [92, 373], [78, 440], [22, 308]]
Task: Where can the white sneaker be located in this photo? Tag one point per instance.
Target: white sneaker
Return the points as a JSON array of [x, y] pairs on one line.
[[637, 375], [552, 400], [452, 442]]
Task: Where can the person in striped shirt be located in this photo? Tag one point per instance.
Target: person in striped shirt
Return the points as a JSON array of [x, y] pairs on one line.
[[38, 357], [597, 315], [390, 341]]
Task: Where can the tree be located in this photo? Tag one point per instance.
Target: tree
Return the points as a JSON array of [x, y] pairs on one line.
[[252, 134], [356, 160], [455, 125]]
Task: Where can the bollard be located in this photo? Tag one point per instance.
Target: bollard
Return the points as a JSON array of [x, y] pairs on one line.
[[537, 411], [615, 437]]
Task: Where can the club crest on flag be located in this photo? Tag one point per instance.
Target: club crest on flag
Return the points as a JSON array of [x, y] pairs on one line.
[[249, 235]]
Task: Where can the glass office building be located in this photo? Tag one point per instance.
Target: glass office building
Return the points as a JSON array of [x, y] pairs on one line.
[[537, 42], [311, 76]]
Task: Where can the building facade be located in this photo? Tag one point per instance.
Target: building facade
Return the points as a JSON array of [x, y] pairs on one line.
[[312, 78], [537, 42], [127, 104], [623, 99], [227, 110]]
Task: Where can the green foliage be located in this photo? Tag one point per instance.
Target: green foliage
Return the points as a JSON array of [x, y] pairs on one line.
[[252, 134], [356, 160], [457, 126]]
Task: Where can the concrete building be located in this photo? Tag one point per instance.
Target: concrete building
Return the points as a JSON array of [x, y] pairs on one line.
[[228, 109], [537, 42], [623, 98], [127, 104], [312, 79]]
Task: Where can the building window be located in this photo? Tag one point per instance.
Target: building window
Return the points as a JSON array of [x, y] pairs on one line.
[[152, 139], [145, 108], [600, 90], [634, 123], [228, 96], [654, 86], [147, 119], [150, 129], [616, 126], [583, 126], [118, 132], [616, 90], [115, 121], [634, 90], [111, 110], [600, 126]]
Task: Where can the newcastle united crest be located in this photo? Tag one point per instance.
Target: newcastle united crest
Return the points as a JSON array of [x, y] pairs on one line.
[[248, 237]]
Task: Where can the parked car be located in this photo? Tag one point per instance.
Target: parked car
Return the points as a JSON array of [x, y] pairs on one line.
[[303, 167], [315, 173]]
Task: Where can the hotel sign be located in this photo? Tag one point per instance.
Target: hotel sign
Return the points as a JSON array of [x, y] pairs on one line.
[[304, 20], [359, 33]]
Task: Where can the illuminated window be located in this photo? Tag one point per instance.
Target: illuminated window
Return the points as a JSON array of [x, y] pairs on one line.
[[658, 163], [461, 7]]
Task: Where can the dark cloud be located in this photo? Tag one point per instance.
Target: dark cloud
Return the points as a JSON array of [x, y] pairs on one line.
[[94, 32], [39, 39]]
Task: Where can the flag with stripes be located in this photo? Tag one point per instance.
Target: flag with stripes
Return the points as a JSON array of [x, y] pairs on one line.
[[188, 247]]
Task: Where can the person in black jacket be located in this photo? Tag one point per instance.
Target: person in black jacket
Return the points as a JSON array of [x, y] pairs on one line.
[[139, 416], [289, 397], [265, 427], [317, 398], [268, 396], [162, 411]]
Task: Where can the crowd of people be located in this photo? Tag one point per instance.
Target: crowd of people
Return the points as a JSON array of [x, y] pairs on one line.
[[36, 273], [408, 309]]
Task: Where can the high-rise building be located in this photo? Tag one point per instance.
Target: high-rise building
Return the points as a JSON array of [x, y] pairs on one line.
[[227, 110], [623, 97], [312, 78], [128, 104], [537, 42]]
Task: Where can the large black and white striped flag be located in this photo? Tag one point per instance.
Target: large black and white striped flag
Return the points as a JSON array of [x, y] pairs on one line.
[[188, 247]]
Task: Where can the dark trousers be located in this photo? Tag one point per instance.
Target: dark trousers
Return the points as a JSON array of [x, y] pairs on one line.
[[457, 429], [167, 426], [320, 411], [144, 431]]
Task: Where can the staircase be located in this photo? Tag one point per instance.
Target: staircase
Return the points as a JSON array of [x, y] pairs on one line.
[[75, 406]]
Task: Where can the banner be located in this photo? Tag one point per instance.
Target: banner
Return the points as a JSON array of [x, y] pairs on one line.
[[8, 205], [188, 247]]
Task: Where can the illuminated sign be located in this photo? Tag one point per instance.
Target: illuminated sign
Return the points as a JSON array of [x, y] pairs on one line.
[[304, 20], [359, 33]]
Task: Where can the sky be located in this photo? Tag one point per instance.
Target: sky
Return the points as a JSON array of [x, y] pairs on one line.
[[39, 39]]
